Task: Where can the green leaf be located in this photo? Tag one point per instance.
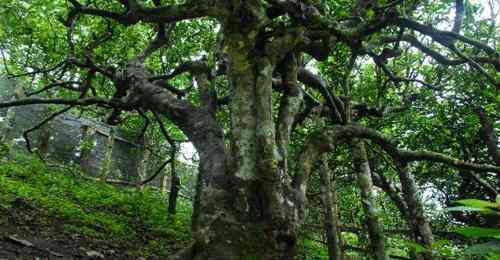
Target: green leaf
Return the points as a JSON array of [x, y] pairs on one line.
[[370, 14], [478, 232], [492, 247], [476, 203], [462, 208], [440, 243], [483, 205], [416, 246]]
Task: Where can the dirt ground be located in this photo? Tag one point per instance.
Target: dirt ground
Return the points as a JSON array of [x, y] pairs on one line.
[[24, 236]]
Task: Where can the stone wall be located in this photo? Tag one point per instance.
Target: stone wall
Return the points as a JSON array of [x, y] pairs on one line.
[[99, 148]]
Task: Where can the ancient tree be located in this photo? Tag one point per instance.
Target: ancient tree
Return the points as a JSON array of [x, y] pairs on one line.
[[251, 95]]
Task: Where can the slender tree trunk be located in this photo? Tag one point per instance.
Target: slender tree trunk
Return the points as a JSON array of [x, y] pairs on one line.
[[338, 221], [375, 232], [411, 208], [165, 184], [143, 168], [44, 141], [86, 146], [108, 153], [393, 194], [419, 225], [489, 137], [330, 204], [175, 183]]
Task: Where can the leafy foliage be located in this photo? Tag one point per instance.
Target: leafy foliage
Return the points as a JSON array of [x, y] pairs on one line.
[[413, 96], [491, 248]]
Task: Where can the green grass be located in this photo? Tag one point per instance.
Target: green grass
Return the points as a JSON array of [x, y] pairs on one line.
[[123, 217], [135, 221]]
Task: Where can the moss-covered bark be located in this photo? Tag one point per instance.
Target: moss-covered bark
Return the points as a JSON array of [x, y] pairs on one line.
[[421, 230], [375, 232], [244, 212], [329, 201]]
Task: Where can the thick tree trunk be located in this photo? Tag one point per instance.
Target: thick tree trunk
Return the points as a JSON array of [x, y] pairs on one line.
[[247, 211], [229, 220], [243, 208]]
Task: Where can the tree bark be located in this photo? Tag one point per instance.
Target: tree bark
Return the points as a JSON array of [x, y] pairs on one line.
[[382, 182], [375, 232], [489, 137], [175, 183], [419, 225], [241, 209], [245, 198], [142, 168], [247, 206], [330, 203]]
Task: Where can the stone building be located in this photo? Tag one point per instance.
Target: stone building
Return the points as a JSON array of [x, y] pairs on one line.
[[99, 148]]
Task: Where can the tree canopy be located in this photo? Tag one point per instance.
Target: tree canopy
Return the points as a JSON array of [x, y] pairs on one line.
[[365, 116]]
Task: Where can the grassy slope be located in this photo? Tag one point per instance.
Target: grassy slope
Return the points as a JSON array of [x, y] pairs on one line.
[[56, 204], [66, 213]]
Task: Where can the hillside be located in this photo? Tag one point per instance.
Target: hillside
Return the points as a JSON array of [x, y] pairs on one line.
[[57, 213]]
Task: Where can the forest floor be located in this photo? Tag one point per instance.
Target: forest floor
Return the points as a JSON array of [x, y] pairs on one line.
[[57, 214]]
